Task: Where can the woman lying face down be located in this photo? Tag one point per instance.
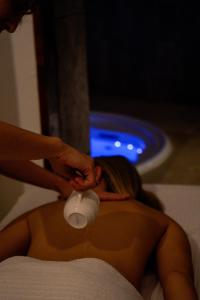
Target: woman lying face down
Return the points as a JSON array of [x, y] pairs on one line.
[[126, 233]]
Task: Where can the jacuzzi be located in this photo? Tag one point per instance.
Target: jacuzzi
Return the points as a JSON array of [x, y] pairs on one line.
[[145, 145]]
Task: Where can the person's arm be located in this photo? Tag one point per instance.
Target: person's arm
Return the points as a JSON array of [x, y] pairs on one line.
[[20, 144], [29, 172], [174, 265], [15, 239]]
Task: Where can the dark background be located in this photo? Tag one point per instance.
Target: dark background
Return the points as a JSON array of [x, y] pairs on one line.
[[144, 49]]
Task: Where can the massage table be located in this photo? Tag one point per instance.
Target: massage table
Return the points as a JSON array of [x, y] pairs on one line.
[[24, 278]]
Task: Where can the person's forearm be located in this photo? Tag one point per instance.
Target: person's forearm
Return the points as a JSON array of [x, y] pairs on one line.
[[20, 144], [31, 173], [179, 286]]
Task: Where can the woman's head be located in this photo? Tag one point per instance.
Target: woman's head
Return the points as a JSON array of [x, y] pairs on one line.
[[120, 176], [11, 12]]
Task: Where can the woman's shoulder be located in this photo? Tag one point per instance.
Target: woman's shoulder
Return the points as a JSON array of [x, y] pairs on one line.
[[43, 215], [132, 205], [45, 208], [145, 211]]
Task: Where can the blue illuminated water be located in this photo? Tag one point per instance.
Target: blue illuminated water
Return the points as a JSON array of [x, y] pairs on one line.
[[110, 142], [145, 145]]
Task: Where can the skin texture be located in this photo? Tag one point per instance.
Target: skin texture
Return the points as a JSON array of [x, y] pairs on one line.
[[22, 145], [125, 234], [29, 172]]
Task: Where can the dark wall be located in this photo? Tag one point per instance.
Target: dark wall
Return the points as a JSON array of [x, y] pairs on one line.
[[144, 49]]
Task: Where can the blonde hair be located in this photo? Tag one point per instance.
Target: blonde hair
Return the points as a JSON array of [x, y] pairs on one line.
[[122, 177]]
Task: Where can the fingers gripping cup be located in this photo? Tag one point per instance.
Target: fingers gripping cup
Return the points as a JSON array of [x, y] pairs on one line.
[[81, 208]]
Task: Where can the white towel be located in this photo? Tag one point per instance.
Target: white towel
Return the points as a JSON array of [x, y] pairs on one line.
[[25, 278]]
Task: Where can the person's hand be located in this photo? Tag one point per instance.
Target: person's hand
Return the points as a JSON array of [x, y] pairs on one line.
[[77, 168], [103, 196], [108, 196], [63, 187]]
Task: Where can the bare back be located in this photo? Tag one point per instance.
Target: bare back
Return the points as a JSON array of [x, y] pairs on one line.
[[124, 234]]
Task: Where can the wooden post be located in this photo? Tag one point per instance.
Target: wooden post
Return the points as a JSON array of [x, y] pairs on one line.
[[62, 69], [72, 72]]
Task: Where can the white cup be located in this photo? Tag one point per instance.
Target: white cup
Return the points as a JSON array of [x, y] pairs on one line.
[[81, 208]]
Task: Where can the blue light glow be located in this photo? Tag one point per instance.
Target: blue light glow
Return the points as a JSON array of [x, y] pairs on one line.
[[145, 145], [117, 144], [109, 142], [130, 147], [139, 151]]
